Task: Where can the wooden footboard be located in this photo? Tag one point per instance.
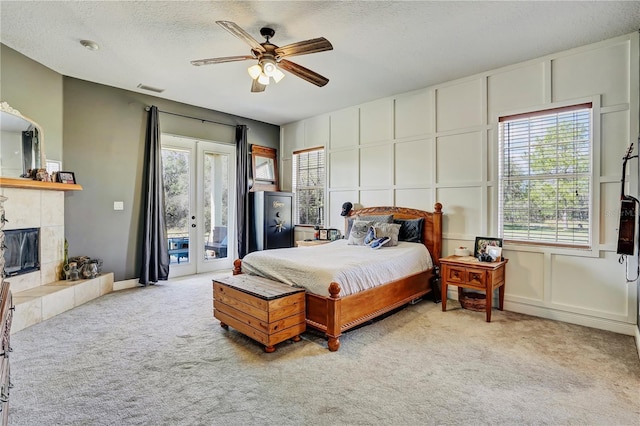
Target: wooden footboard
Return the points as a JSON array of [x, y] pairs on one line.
[[334, 314]]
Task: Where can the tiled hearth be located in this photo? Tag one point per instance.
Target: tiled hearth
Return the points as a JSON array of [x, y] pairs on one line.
[[39, 295], [43, 302]]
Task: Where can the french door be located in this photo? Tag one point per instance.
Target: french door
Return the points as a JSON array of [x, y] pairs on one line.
[[199, 187]]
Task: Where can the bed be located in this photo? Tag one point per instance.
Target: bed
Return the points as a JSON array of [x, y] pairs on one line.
[[334, 311]]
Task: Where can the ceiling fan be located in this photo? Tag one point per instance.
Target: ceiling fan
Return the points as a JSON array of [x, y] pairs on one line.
[[271, 57]]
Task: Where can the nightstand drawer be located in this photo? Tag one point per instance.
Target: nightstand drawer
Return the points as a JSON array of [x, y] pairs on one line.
[[476, 277], [469, 276], [455, 274]]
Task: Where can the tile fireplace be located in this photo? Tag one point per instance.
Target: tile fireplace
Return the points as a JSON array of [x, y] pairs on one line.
[[22, 251]]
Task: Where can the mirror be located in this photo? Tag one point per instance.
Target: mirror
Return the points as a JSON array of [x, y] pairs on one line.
[[265, 169], [20, 143]]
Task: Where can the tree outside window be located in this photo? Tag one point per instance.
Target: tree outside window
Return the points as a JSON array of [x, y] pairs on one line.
[[545, 177], [308, 186]]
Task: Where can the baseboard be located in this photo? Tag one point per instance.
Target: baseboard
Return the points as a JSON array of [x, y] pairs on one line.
[[638, 340], [568, 317], [572, 318], [122, 285]]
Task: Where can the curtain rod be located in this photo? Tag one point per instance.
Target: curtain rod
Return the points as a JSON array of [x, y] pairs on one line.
[[193, 118]]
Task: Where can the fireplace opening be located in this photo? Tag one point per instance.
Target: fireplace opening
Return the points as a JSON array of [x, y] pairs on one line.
[[21, 253]]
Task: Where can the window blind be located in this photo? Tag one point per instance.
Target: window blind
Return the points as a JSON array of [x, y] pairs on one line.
[[308, 186], [545, 177]]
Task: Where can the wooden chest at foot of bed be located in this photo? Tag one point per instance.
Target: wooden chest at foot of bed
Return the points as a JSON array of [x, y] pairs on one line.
[[266, 311]]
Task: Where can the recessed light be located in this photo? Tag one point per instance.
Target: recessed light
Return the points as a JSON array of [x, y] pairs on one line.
[[91, 45]]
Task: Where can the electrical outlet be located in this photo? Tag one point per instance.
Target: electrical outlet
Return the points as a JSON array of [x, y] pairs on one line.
[[118, 205]]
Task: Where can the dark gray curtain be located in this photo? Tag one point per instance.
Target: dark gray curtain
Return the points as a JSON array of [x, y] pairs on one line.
[[242, 173], [155, 246]]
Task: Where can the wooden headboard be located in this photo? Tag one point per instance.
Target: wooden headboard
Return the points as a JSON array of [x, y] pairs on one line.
[[431, 228]]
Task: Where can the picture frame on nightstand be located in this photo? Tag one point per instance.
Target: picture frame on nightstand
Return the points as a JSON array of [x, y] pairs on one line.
[[495, 253], [323, 234], [482, 243]]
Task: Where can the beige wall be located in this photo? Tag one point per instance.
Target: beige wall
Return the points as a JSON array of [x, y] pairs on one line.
[[439, 144]]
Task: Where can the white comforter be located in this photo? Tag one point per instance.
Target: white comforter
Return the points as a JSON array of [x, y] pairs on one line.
[[355, 268]]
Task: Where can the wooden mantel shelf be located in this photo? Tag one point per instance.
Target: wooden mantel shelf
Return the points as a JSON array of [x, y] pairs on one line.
[[6, 182]]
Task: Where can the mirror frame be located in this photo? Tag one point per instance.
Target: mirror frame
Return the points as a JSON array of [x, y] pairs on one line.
[[264, 184], [6, 108]]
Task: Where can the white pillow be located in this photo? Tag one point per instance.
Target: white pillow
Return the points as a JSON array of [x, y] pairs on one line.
[[391, 230]]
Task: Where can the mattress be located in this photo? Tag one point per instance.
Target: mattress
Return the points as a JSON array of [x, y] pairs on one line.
[[355, 268]]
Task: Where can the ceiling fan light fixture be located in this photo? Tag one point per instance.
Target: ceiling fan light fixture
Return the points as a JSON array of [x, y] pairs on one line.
[[263, 79], [269, 67], [254, 71], [278, 75]]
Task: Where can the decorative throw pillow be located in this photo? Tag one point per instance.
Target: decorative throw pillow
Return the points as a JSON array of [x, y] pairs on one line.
[[358, 232], [390, 230], [410, 230], [386, 218]]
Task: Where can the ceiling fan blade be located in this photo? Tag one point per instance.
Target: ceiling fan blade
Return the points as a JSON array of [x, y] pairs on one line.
[[257, 87], [241, 34], [315, 45], [304, 73], [220, 60]]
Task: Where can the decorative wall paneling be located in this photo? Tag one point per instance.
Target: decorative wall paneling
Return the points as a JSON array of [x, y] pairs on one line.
[[440, 144]]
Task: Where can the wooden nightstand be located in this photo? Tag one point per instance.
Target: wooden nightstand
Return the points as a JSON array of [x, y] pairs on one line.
[[469, 272], [310, 243]]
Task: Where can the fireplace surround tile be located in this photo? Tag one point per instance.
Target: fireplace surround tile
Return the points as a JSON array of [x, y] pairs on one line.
[[23, 208], [43, 209], [51, 244], [52, 208]]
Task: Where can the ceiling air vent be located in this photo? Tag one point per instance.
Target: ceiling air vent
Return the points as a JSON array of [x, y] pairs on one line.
[[151, 89]]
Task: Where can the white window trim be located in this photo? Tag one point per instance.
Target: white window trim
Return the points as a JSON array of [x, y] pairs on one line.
[[594, 182], [294, 186]]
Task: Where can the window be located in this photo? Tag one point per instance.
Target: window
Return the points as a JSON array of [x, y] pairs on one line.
[[545, 177], [308, 186]]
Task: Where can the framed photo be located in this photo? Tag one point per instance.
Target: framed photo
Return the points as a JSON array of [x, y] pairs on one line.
[[495, 253], [66, 177], [482, 243], [323, 234], [333, 234]]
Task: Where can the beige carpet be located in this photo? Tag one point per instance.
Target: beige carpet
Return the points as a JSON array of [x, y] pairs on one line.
[[156, 356]]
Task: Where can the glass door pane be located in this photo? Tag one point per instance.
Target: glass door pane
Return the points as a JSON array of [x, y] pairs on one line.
[[176, 171], [216, 201], [216, 205]]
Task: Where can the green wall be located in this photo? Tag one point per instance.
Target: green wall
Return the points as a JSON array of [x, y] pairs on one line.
[[99, 133], [35, 91]]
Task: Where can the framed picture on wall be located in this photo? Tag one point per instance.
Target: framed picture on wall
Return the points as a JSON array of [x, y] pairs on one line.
[[66, 177]]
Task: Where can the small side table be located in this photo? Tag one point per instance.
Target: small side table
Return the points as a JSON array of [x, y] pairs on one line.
[[469, 272], [302, 243]]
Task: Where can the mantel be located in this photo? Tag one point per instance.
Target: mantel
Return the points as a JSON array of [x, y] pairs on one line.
[[6, 182]]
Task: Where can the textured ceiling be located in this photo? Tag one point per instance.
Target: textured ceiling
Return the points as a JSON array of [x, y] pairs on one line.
[[380, 48]]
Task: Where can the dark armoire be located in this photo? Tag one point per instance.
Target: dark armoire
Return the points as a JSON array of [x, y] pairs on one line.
[[270, 220]]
